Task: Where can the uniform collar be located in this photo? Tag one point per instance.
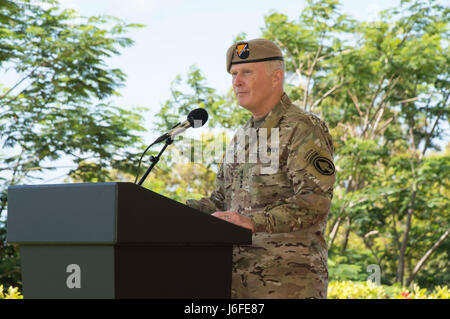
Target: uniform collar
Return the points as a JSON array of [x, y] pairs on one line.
[[274, 116], [277, 112]]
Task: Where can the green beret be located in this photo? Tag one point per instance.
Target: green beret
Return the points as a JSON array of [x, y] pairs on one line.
[[257, 50]]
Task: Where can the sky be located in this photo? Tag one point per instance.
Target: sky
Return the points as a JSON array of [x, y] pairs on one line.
[[181, 33]]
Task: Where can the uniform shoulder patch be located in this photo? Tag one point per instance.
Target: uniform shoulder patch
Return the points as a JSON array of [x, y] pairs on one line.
[[324, 165]]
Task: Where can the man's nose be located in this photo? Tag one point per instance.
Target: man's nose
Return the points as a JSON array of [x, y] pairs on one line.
[[237, 81]]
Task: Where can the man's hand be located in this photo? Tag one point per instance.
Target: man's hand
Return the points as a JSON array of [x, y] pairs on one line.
[[236, 219]]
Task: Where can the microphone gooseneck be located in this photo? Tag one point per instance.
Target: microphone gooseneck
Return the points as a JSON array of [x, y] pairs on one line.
[[196, 118]]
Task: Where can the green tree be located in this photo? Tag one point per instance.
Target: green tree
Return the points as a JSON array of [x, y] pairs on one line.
[[382, 87], [384, 92], [59, 105]]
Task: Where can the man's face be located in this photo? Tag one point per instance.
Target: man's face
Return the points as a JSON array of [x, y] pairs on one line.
[[251, 83]]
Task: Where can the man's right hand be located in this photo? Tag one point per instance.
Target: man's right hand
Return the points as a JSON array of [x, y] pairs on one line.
[[237, 219]]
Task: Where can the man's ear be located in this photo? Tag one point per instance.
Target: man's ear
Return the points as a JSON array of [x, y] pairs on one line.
[[277, 77]]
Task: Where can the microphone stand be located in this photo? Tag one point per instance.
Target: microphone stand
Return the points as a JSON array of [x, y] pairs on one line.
[[155, 160]]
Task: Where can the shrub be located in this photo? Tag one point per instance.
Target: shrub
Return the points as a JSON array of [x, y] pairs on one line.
[[338, 290], [11, 293], [370, 290]]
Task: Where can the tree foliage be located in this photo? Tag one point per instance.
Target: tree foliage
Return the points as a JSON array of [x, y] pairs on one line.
[[384, 92], [56, 102]]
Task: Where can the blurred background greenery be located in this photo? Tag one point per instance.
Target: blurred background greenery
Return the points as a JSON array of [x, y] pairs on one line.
[[381, 86]]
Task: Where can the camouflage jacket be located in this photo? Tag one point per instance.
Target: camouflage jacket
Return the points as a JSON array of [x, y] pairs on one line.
[[288, 203]]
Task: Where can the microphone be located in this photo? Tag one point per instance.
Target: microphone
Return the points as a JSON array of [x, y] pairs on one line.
[[196, 118]]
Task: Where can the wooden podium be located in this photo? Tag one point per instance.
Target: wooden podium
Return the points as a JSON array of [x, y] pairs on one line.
[[118, 240]]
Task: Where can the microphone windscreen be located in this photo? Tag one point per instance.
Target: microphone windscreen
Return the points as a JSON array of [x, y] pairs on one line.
[[198, 115]]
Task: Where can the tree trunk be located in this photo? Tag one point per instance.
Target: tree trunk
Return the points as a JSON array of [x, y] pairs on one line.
[[3, 200], [334, 232], [336, 225], [425, 257], [347, 233], [404, 244]]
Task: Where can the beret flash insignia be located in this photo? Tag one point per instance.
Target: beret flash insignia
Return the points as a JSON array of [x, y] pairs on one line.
[[242, 50]]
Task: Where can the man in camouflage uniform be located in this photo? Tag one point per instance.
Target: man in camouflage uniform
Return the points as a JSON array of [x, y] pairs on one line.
[[286, 206]]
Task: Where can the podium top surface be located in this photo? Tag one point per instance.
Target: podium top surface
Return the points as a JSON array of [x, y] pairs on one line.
[[110, 213]]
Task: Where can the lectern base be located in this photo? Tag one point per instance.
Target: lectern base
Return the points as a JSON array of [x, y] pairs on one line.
[[126, 271]]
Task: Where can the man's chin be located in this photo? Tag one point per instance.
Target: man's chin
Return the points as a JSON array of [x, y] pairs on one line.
[[245, 106], [243, 103]]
